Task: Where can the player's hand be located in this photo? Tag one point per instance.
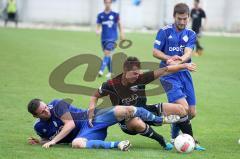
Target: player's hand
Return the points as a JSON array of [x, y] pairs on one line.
[[191, 66], [33, 141], [48, 144], [122, 37], [98, 32], [174, 60], [90, 116]]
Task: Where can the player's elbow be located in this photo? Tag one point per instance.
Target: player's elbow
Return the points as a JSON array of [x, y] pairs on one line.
[[70, 124]]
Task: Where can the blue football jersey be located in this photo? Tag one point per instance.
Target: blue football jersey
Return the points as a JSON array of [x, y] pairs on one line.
[[173, 42], [50, 128], [109, 22]]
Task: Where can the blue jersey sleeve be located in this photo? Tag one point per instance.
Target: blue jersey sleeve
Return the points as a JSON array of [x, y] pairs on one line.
[[99, 20], [61, 108], [160, 41], [40, 130], [191, 41]]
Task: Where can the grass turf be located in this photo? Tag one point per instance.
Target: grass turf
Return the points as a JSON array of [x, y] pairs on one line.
[[29, 56]]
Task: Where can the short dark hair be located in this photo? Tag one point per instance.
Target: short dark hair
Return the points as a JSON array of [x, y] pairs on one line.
[[33, 106], [105, 1], [181, 8], [131, 62], [197, 1]]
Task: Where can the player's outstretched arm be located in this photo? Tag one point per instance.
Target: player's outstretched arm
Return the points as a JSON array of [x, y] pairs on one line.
[[98, 29], [174, 60], [174, 68], [101, 92], [69, 125], [187, 55], [91, 108], [160, 55], [122, 36], [35, 141]]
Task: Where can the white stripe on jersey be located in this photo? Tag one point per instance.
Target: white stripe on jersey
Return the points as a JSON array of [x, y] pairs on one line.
[[167, 26], [37, 121], [157, 42]]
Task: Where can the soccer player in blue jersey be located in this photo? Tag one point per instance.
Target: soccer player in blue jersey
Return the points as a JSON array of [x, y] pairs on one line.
[[60, 122], [174, 45], [108, 23]]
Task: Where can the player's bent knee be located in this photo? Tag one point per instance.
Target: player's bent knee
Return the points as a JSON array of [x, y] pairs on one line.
[[130, 110], [124, 112], [136, 124], [119, 110], [79, 143]]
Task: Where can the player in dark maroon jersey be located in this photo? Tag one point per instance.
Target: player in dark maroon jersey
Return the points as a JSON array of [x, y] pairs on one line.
[[128, 88]]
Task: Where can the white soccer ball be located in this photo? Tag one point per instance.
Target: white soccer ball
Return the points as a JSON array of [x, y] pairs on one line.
[[184, 143]]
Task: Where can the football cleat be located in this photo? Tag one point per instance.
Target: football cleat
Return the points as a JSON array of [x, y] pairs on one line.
[[124, 145], [100, 73], [171, 119], [108, 76], [169, 146]]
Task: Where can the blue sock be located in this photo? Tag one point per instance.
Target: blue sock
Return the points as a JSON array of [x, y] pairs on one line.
[[104, 63], [145, 115], [91, 144], [174, 130], [109, 65]]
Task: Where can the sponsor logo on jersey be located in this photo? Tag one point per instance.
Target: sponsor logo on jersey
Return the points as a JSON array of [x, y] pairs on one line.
[[170, 37], [181, 48], [128, 100], [109, 23]]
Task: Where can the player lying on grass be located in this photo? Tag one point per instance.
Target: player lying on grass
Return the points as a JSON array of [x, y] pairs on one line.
[[128, 88], [60, 122]]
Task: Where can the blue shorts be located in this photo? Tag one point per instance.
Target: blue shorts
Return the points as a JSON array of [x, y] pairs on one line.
[[109, 45], [102, 120], [181, 87]]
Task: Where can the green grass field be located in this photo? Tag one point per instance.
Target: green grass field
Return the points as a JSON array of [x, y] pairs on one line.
[[29, 56]]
